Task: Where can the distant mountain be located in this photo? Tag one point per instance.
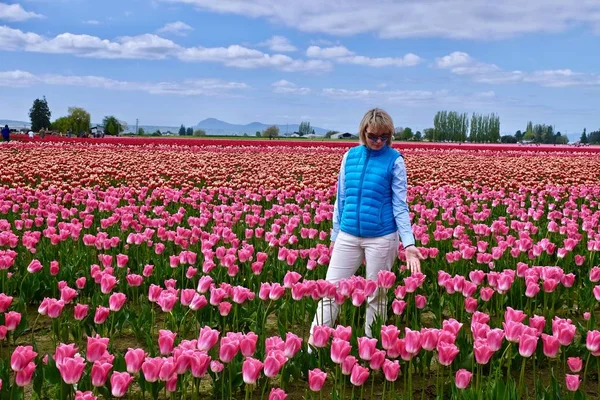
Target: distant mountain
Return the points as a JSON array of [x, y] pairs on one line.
[[14, 124], [213, 126]]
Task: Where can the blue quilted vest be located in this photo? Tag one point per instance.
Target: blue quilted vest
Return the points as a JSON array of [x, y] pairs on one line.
[[367, 208]]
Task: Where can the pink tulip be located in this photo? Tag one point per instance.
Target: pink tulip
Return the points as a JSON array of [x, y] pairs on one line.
[[340, 349], [12, 319], [21, 357], [54, 268], [486, 293], [572, 382], [100, 372], [316, 379], [119, 383], [277, 394], [5, 302], [96, 347], [24, 376], [149, 269], [293, 344], [80, 282], [228, 349], [321, 335], [348, 364], [134, 358], [80, 311], [151, 368], [167, 369], [420, 301], [71, 369], [366, 347], [107, 283], [224, 308], [482, 351], [463, 378], [64, 351], [592, 341], [446, 353], [167, 300], [251, 369], [377, 360], [359, 375], [216, 366], [527, 345], [575, 364], [386, 279], [34, 266], [199, 364], [391, 370], [166, 340], [551, 345], [273, 363], [207, 339], [412, 341], [343, 332], [398, 306], [248, 344], [470, 305], [101, 315], [79, 395], [198, 302], [116, 301]]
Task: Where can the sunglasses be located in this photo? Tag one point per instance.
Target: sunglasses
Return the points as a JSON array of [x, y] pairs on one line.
[[376, 138]]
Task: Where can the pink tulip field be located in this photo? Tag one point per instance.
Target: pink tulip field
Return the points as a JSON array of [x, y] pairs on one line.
[[167, 271]]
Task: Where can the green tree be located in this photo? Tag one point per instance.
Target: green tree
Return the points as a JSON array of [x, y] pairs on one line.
[[62, 124], [257, 134], [112, 126], [594, 137], [141, 131], [418, 136], [80, 120], [584, 138], [39, 114], [304, 128], [429, 134], [271, 132], [182, 130], [189, 131], [529, 132], [407, 134], [199, 132], [518, 135]]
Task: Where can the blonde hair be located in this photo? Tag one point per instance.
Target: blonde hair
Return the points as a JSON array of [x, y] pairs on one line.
[[378, 120]]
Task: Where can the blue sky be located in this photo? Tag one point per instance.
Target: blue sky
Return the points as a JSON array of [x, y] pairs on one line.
[[171, 62]]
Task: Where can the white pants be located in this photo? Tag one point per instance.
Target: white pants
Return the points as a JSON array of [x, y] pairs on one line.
[[348, 254]]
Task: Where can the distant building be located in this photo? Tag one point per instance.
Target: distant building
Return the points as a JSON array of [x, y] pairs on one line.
[[97, 130], [345, 135]]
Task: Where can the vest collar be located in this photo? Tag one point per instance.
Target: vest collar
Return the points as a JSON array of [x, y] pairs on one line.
[[375, 153]]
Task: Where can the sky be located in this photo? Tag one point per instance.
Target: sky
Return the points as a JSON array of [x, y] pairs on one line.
[[171, 62]]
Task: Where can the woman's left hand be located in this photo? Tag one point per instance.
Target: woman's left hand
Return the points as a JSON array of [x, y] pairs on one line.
[[413, 259]]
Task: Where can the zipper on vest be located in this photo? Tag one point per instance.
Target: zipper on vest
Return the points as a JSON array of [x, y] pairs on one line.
[[362, 175]]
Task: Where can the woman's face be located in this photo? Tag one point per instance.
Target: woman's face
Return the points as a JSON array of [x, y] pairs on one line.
[[376, 140]]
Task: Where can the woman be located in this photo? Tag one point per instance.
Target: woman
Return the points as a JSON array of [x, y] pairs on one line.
[[370, 213]]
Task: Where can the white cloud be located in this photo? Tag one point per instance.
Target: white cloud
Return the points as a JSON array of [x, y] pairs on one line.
[[189, 87], [409, 98], [461, 63], [342, 55], [287, 87], [16, 13], [459, 19], [280, 44], [243, 57], [91, 22], [152, 47], [177, 28]]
